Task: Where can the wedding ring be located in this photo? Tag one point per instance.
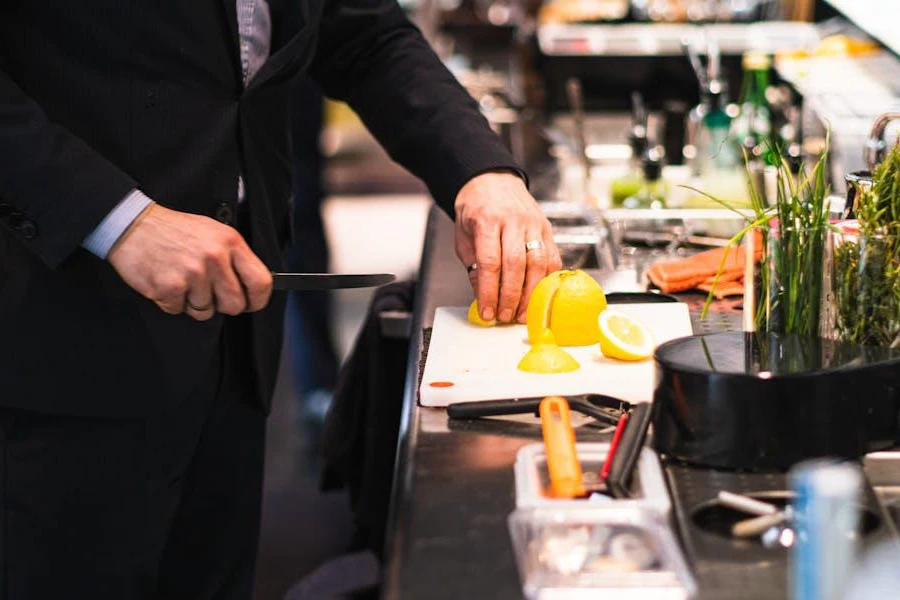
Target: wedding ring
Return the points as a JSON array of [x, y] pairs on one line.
[[472, 267], [199, 308], [534, 245]]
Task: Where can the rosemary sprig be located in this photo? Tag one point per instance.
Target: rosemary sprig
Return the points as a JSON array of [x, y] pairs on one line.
[[867, 269]]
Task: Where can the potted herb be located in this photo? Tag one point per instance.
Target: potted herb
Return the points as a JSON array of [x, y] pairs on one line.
[[866, 265], [793, 233]]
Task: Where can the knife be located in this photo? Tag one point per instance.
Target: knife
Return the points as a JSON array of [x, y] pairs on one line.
[[309, 282]]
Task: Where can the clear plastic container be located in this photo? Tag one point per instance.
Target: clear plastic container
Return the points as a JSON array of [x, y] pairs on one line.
[[606, 553]]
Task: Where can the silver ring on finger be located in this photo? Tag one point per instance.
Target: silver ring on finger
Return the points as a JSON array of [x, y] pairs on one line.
[[472, 268], [534, 245]]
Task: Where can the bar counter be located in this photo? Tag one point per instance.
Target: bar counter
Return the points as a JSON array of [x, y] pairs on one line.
[[454, 483]]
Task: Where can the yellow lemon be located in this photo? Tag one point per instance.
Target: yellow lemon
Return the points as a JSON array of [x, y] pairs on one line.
[[568, 303], [546, 357], [624, 337], [475, 316]]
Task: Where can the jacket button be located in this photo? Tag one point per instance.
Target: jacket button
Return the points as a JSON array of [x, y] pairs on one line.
[[225, 213], [27, 229]]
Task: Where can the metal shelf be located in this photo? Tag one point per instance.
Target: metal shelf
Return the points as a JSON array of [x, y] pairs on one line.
[[658, 39]]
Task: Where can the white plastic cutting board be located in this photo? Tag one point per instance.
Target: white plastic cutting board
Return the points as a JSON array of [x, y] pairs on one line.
[[480, 362]]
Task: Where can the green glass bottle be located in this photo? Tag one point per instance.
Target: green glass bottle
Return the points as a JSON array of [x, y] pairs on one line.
[[652, 192], [628, 184], [753, 127], [719, 161]]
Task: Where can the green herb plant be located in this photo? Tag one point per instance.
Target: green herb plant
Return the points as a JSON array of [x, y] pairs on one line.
[[793, 234], [866, 271]]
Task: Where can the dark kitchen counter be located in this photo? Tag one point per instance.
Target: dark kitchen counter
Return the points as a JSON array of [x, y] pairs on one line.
[[454, 484]]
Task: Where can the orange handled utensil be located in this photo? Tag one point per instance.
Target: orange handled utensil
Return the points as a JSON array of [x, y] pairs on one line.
[[559, 445]]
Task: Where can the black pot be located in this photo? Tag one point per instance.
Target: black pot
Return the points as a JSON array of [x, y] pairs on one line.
[[764, 402]]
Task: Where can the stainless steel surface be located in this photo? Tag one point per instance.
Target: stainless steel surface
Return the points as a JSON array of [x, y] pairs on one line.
[[454, 482], [306, 282], [657, 39], [395, 324], [875, 145]]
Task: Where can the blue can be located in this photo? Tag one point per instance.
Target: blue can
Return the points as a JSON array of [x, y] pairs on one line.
[[826, 515]]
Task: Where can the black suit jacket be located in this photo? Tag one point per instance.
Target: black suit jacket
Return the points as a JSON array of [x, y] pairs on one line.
[[101, 96]]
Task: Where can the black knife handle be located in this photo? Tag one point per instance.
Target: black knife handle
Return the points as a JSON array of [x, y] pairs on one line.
[[493, 408], [623, 463]]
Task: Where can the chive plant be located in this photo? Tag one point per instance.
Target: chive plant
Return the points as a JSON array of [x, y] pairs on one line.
[[793, 233]]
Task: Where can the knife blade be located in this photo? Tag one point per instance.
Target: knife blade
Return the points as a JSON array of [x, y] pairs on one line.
[[309, 282]]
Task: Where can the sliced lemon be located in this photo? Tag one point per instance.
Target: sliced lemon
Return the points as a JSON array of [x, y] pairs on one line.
[[546, 357], [567, 303], [624, 337], [475, 316]]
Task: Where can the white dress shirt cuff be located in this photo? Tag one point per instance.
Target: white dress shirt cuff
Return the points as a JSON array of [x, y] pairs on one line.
[[101, 240]]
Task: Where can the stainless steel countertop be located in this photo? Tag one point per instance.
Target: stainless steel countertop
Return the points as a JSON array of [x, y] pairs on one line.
[[454, 484]]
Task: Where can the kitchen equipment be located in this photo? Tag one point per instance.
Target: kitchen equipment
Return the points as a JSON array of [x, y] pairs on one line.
[[859, 183], [559, 446], [647, 491], [602, 408], [307, 282], [875, 145], [598, 552], [757, 526], [466, 362], [827, 524], [614, 446], [639, 298], [764, 401], [621, 469], [746, 504]]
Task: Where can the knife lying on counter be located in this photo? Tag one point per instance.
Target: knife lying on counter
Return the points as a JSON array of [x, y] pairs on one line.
[[310, 282]]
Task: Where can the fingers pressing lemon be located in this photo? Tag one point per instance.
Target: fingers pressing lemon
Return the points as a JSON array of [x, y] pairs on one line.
[[567, 303], [546, 357], [475, 316], [624, 337]]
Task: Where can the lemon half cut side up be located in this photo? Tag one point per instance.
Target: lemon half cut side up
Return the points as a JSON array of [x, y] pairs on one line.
[[623, 337]]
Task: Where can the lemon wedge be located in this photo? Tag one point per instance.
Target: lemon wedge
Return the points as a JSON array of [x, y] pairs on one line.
[[475, 316], [624, 337], [568, 303], [546, 357]]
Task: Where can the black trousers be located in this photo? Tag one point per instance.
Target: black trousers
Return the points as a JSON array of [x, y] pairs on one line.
[[165, 507]]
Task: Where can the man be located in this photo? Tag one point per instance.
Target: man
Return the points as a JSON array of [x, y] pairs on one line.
[[144, 185], [312, 352]]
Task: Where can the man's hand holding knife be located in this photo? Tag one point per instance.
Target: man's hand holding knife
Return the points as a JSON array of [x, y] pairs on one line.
[[195, 265]]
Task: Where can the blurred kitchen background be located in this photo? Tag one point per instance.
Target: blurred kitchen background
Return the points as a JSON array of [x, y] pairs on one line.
[[617, 109]]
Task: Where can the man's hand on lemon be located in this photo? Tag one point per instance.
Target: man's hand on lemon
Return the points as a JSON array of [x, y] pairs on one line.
[[495, 218]]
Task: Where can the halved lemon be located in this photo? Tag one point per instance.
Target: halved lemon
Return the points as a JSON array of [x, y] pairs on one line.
[[475, 316], [624, 337], [546, 357], [567, 303]]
